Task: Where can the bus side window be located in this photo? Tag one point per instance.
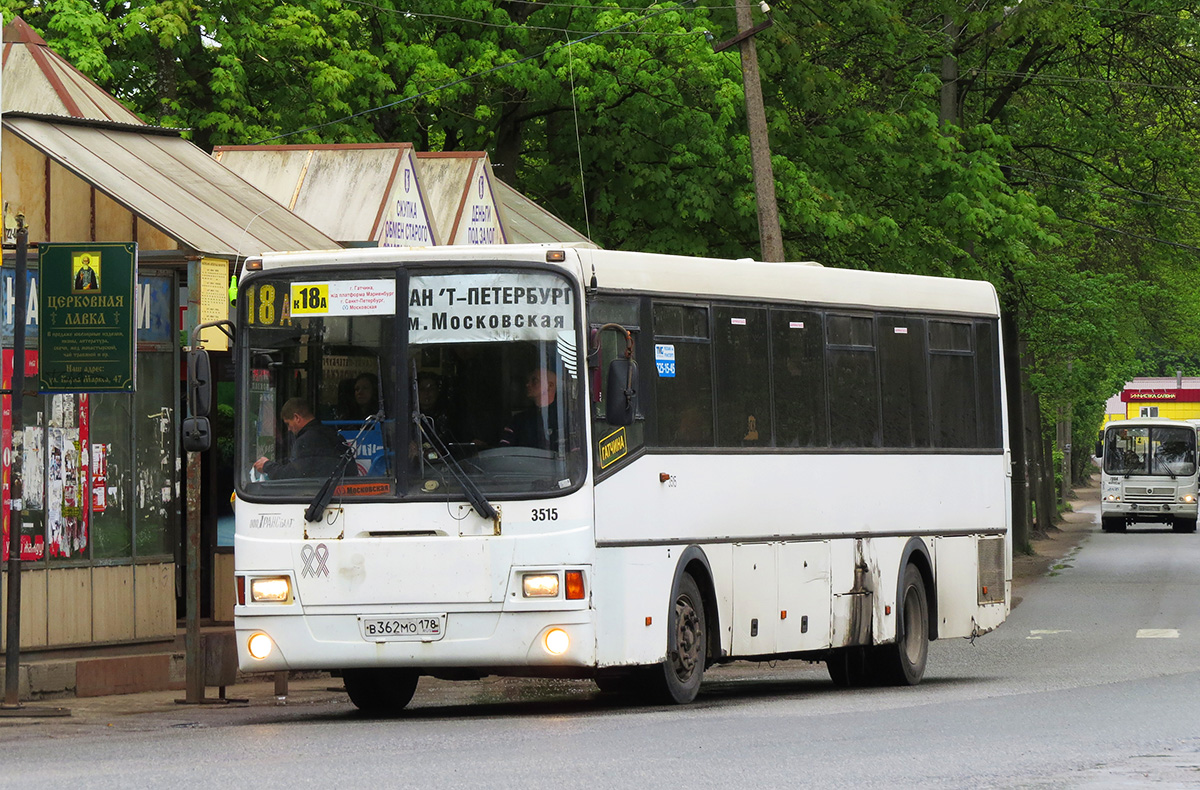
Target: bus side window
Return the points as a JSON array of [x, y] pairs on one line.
[[682, 381], [798, 366], [743, 386], [613, 445]]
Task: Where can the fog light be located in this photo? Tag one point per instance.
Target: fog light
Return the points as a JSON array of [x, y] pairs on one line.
[[260, 646], [540, 585], [557, 641]]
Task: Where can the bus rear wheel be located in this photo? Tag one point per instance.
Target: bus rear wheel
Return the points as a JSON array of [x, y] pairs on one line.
[[851, 667], [380, 691], [902, 663], [677, 679]]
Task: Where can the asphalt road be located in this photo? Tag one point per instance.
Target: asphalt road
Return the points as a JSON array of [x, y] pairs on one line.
[[1092, 683]]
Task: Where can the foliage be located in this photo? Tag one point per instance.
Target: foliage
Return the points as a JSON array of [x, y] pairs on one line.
[[1048, 147]]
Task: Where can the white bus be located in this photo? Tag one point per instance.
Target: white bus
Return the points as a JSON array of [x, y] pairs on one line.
[[614, 465], [1149, 473]]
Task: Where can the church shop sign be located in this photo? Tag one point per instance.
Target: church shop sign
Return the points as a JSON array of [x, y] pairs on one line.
[[86, 312]]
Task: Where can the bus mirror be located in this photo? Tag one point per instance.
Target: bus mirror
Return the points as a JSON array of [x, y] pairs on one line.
[[620, 392], [1099, 450], [197, 436], [199, 383]]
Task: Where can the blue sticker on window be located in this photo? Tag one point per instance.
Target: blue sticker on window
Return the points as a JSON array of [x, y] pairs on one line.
[[664, 359]]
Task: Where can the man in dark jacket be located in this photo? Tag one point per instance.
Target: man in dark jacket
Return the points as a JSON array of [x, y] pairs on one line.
[[537, 425], [316, 448]]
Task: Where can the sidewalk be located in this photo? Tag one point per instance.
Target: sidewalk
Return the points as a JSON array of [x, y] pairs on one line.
[[1058, 542], [49, 683]]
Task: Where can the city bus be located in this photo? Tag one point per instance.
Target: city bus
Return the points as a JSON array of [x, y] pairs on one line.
[[620, 466], [1149, 473]]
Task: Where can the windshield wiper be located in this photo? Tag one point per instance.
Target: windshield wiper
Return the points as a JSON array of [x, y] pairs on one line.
[[316, 508], [425, 428], [474, 495]]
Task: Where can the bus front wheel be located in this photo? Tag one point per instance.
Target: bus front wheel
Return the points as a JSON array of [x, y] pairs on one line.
[[1184, 525], [380, 691], [1112, 523], [677, 679]]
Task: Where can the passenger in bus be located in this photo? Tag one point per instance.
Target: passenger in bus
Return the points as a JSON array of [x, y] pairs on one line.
[[363, 400], [433, 406], [537, 425], [316, 447]]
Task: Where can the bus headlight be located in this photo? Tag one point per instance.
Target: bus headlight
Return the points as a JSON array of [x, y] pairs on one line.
[[271, 589], [539, 585], [259, 646], [1188, 499], [557, 641], [1112, 498]]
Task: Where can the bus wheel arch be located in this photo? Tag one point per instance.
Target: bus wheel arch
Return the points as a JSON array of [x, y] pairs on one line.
[[694, 562], [689, 648], [902, 662], [917, 554]]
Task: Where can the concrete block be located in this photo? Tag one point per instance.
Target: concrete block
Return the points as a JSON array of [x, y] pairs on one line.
[[177, 672], [52, 677], [23, 689], [100, 677]]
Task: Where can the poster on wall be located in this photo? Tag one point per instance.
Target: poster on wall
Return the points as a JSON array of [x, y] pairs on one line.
[[100, 477], [66, 522], [32, 464], [22, 485]]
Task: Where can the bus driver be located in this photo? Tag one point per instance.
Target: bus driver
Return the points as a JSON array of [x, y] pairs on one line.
[[316, 447]]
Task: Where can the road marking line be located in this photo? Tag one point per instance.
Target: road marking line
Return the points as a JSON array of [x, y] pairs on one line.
[[1037, 633], [1158, 633]]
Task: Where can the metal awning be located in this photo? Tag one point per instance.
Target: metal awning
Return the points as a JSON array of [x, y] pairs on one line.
[[527, 222], [170, 183]]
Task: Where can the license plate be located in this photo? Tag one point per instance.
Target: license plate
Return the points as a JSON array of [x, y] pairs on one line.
[[422, 628]]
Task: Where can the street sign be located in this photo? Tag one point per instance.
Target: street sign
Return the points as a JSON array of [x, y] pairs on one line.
[[86, 312]]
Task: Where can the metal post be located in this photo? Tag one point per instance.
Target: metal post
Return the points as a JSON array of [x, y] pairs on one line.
[[193, 660], [12, 653]]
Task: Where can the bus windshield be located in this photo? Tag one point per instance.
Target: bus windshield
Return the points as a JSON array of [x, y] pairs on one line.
[[1150, 450], [480, 388]]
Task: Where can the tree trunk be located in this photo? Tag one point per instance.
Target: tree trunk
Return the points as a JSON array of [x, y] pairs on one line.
[[1016, 433], [1033, 446], [1049, 491]]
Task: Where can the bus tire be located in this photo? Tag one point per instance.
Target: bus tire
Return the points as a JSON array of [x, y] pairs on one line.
[[1112, 523], [1184, 525], [676, 681], [902, 663], [380, 691]]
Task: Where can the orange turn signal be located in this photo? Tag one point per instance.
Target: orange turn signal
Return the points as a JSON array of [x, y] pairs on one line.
[[575, 585]]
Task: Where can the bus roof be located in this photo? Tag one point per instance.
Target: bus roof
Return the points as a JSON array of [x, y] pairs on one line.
[[1134, 422], [678, 275]]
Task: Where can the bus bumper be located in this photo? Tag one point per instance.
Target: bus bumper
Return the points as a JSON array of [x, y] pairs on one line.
[[515, 642]]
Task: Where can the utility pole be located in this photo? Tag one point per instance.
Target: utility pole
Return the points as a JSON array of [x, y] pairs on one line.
[[949, 96], [769, 233]]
